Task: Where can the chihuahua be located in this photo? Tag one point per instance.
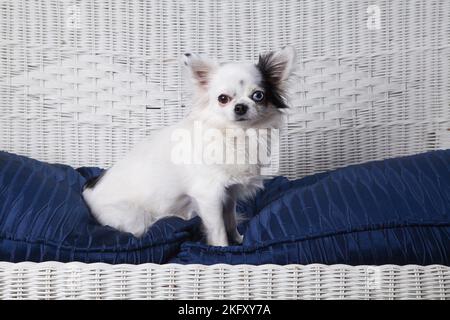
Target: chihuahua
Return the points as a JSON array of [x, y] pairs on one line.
[[155, 181]]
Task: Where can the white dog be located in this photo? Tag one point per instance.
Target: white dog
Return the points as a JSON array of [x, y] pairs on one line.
[[149, 183]]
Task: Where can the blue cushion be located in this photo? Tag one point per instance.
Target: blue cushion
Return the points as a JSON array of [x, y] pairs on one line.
[[392, 211], [395, 211], [43, 217]]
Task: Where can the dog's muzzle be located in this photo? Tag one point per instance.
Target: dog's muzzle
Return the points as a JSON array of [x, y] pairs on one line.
[[240, 109]]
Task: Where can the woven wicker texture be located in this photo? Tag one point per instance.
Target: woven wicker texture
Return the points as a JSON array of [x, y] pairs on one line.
[[82, 81], [52, 280]]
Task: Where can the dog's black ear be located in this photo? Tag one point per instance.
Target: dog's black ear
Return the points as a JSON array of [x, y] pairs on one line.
[[277, 66], [200, 69]]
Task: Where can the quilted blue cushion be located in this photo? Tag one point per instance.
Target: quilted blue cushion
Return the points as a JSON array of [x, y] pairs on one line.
[[392, 211], [43, 217], [395, 211]]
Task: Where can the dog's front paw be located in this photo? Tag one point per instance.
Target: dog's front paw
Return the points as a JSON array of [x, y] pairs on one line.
[[218, 243], [237, 238]]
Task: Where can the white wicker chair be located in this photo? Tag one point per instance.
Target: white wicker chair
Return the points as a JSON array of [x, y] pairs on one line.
[[82, 81]]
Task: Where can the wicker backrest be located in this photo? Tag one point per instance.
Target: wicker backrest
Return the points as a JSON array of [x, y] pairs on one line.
[[82, 81]]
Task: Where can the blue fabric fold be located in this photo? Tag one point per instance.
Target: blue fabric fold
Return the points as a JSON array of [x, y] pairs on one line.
[[393, 211]]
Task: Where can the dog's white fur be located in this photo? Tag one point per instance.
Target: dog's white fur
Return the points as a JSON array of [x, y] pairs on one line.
[[147, 185]]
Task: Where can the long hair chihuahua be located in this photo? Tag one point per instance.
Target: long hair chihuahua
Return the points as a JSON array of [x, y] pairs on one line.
[[152, 181]]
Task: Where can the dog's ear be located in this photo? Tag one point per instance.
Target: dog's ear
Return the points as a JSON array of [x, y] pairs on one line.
[[200, 69], [277, 66]]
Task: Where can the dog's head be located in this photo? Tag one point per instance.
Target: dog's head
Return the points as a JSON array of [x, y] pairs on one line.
[[242, 93]]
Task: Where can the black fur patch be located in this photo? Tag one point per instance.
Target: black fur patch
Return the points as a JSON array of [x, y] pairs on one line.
[[271, 71], [91, 183]]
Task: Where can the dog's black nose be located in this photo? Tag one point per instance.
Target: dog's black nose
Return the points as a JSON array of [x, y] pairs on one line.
[[240, 109]]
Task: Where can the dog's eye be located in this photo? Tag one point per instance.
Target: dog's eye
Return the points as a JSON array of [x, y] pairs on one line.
[[258, 96], [224, 99]]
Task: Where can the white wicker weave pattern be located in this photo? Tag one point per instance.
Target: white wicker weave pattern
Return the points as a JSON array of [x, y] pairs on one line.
[[82, 81], [52, 280]]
